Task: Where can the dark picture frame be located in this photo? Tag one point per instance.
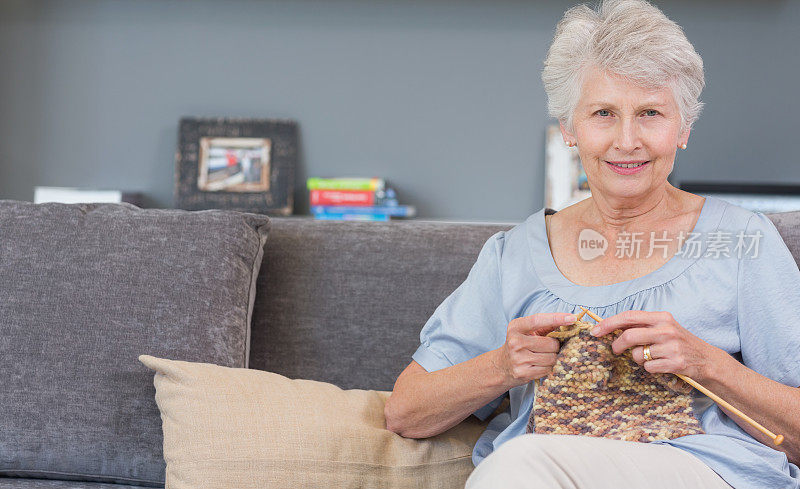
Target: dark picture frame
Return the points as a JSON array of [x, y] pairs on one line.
[[236, 164]]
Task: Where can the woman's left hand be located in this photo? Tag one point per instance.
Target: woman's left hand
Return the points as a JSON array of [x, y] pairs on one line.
[[673, 348]]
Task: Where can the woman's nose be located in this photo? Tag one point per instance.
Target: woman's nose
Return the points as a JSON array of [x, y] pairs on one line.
[[627, 137]]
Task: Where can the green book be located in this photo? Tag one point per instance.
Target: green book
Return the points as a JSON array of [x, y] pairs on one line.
[[314, 183]]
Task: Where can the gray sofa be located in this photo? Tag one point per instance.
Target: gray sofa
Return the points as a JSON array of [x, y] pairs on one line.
[[339, 302]]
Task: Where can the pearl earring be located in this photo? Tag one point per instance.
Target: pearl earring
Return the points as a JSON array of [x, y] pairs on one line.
[[683, 146]]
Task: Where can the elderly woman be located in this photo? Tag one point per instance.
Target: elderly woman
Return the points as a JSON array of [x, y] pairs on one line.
[[624, 82]]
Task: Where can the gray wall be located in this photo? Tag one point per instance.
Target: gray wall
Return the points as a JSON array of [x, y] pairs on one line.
[[441, 97]]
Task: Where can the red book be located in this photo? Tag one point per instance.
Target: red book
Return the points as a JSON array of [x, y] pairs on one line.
[[342, 197]]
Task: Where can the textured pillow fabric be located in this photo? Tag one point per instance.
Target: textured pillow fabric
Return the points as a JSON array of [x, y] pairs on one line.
[[85, 289], [242, 428]]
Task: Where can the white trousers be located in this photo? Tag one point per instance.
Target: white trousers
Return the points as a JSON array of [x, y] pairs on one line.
[[538, 461]]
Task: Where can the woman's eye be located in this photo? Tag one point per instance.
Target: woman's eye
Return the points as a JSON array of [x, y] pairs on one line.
[[603, 113], [651, 112]]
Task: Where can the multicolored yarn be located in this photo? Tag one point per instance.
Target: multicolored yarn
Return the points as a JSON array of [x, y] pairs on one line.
[[594, 392]]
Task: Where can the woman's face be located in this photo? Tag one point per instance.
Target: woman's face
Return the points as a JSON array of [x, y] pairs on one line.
[[617, 121]]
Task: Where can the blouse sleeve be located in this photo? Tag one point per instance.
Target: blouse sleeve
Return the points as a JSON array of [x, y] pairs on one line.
[[769, 304], [470, 321]]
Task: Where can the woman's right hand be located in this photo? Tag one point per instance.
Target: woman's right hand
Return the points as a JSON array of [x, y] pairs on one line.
[[425, 403], [529, 354]]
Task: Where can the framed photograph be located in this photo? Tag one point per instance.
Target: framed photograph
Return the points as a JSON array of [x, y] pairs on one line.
[[234, 164], [237, 164], [565, 180]]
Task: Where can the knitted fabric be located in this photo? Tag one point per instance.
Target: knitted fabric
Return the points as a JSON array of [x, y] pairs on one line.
[[594, 392]]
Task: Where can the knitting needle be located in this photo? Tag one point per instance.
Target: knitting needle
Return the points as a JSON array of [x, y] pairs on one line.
[[777, 439], [591, 314]]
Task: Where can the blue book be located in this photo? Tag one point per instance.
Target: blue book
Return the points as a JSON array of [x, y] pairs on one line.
[[399, 210], [336, 216]]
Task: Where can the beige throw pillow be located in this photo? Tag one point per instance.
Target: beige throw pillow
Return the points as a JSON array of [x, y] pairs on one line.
[[243, 428]]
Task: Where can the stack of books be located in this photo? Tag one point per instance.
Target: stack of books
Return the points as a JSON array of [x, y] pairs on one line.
[[355, 199]]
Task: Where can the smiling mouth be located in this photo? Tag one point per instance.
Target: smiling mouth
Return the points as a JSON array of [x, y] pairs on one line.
[[631, 165]]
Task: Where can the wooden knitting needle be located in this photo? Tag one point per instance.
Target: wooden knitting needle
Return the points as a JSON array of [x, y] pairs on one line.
[[777, 439], [591, 314]]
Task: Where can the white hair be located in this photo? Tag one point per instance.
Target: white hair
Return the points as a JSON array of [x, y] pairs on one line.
[[629, 38]]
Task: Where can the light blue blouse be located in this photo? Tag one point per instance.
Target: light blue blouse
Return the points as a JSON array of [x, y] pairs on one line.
[[746, 303]]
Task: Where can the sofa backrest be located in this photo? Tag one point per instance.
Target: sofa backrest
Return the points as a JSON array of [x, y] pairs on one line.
[[344, 302]]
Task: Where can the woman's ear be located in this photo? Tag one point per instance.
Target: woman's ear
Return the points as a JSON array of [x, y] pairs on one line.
[[569, 138], [684, 138]]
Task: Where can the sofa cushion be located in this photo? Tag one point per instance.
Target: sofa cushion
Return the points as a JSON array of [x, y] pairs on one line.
[[788, 225], [85, 289], [344, 301], [244, 428]]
